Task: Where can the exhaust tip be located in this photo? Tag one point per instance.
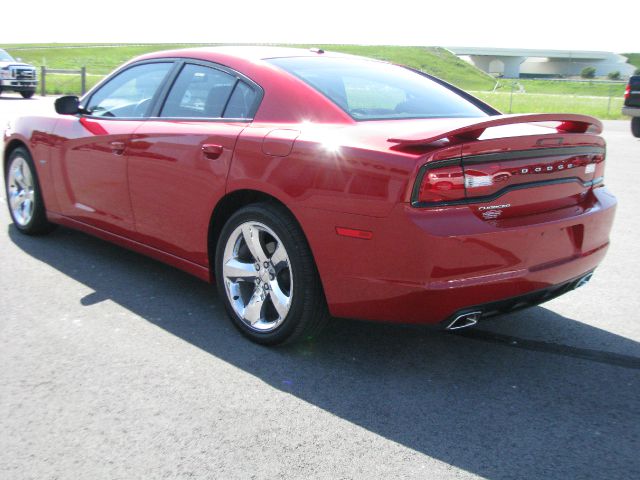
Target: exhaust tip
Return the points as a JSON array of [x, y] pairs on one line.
[[464, 320], [583, 280]]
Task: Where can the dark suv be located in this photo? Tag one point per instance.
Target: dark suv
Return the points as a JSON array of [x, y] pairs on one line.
[[16, 76], [632, 104]]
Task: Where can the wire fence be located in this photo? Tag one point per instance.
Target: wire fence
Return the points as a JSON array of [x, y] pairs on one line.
[[64, 80], [602, 99]]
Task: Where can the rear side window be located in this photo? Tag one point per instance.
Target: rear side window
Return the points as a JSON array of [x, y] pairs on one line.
[[241, 102], [371, 90], [198, 92]]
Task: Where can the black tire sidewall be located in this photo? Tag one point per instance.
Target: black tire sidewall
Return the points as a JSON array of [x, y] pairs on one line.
[[299, 269], [635, 126]]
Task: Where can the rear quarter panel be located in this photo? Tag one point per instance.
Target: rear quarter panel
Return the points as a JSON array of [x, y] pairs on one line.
[[325, 169]]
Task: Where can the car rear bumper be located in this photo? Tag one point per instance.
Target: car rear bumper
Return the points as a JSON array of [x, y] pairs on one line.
[[631, 111], [470, 315], [426, 266]]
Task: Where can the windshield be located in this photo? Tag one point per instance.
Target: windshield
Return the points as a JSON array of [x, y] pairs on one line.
[[5, 57], [371, 90]]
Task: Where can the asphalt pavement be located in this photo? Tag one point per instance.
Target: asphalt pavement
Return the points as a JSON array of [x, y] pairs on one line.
[[115, 366]]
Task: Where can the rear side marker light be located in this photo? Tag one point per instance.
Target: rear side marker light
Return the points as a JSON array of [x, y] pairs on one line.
[[354, 233]]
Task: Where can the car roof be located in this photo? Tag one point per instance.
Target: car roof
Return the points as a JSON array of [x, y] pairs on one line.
[[248, 53], [263, 52]]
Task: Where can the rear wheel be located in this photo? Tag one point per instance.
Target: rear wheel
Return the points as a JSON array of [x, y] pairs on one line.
[[24, 196], [635, 126], [267, 278], [27, 94]]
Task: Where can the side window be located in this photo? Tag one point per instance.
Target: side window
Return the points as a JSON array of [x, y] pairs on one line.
[[129, 94], [241, 102], [198, 92]]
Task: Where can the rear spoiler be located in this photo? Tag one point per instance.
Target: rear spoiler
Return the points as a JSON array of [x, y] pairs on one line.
[[457, 130]]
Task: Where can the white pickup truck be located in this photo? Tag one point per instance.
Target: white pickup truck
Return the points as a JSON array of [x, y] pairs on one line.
[[16, 76]]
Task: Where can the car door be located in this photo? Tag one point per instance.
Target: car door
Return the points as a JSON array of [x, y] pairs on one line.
[[179, 160], [91, 165]]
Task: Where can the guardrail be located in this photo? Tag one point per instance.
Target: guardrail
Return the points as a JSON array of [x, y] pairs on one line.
[[43, 78]]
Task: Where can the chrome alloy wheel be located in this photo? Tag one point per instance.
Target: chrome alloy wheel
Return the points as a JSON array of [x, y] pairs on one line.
[[257, 276], [20, 189]]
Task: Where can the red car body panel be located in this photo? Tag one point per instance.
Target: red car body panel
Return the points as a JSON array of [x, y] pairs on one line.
[[153, 184], [174, 187]]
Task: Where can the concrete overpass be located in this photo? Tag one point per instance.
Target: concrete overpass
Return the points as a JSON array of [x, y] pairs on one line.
[[511, 62]]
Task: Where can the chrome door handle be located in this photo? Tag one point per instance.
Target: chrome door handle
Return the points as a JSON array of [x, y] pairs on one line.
[[212, 151], [117, 148]]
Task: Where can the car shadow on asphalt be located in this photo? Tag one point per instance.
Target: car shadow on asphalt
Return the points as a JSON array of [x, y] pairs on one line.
[[494, 406]]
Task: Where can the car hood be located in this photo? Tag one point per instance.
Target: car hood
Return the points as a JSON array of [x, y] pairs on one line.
[[15, 64]]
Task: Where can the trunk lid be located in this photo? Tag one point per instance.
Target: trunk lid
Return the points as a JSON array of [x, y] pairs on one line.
[[510, 165], [509, 177]]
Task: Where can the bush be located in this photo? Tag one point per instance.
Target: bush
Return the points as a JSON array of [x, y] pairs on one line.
[[588, 72], [613, 75], [637, 72]]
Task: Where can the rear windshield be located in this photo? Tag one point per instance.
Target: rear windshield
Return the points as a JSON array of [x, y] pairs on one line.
[[371, 90]]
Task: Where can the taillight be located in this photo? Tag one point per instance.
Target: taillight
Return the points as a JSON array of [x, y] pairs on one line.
[[476, 178], [439, 184], [627, 91]]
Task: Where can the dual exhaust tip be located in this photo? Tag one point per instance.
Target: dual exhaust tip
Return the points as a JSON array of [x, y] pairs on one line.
[[469, 319]]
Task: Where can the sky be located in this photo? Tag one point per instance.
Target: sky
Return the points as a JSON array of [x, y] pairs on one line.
[[558, 24]]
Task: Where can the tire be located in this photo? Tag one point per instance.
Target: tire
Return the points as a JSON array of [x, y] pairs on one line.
[[269, 284], [27, 94], [24, 197], [635, 126]]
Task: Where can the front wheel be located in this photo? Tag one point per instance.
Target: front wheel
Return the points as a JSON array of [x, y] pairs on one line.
[[27, 94], [24, 195], [635, 126], [267, 278]]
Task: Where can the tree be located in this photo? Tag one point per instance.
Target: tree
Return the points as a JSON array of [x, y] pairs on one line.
[[588, 72], [613, 75]]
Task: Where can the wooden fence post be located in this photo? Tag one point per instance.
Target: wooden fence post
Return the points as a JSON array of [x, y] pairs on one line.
[[43, 76], [83, 80]]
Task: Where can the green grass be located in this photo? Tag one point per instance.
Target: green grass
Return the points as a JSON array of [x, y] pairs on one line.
[[68, 84], [566, 87], [600, 107], [633, 59], [101, 59], [434, 60], [97, 59], [547, 95]]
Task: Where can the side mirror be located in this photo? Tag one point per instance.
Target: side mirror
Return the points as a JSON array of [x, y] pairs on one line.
[[69, 105]]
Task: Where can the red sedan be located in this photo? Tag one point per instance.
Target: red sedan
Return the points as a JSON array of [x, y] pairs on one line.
[[307, 184]]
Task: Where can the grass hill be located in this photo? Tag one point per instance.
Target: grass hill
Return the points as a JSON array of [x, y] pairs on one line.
[[102, 59], [633, 59], [599, 98]]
